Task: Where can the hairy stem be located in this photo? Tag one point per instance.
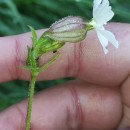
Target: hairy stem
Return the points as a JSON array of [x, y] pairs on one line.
[[30, 100], [34, 74]]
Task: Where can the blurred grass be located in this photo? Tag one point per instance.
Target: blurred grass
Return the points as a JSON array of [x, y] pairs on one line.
[[17, 14]]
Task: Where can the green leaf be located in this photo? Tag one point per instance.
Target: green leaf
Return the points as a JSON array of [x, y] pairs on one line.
[[34, 35]]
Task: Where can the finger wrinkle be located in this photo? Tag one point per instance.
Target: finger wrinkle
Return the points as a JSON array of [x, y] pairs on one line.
[[74, 60], [75, 117], [20, 59], [10, 69], [78, 55], [17, 61], [10, 66]]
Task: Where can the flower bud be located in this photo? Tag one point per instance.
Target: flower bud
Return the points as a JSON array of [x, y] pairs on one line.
[[68, 29]]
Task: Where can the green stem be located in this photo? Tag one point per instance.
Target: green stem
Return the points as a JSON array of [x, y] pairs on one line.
[[34, 73], [31, 93]]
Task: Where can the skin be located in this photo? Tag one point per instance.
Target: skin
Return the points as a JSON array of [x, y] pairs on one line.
[[99, 99]]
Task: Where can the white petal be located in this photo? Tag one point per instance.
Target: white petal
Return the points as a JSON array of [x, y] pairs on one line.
[[96, 5], [103, 14], [110, 37], [103, 41]]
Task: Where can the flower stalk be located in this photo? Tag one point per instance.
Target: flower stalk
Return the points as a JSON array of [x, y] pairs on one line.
[[30, 100], [34, 74]]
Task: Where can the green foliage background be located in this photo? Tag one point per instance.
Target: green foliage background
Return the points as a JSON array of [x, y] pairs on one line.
[[15, 15]]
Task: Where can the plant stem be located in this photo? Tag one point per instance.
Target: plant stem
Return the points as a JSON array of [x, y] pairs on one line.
[[31, 93], [34, 74]]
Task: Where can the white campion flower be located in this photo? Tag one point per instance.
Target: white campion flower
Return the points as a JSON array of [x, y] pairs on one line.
[[102, 13]]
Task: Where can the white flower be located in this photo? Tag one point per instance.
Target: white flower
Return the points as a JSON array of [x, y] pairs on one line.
[[102, 13]]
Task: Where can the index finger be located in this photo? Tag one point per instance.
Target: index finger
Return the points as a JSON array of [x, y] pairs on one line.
[[84, 60]]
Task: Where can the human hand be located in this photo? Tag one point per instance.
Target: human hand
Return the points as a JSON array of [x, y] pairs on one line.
[[98, 99]]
